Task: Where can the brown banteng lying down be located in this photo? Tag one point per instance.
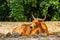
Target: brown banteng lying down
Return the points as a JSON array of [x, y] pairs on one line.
[[36, 27]]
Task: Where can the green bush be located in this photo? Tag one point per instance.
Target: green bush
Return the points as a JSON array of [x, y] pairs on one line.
[[4, 10], [21, 10]]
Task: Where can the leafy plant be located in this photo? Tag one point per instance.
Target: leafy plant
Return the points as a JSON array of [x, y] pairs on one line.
[[25, 8], [21, 10], [4, 10]]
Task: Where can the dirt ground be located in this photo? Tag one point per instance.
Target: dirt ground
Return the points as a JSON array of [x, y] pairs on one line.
[[5, 27]]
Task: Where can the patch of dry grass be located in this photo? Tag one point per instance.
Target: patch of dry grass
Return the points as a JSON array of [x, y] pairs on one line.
[[5, 27]]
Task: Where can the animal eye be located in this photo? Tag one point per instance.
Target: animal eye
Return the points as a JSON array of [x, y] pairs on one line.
[[36, 23], [31, 27]]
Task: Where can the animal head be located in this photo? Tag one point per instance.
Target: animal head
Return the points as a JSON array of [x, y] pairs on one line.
[[37, 21]]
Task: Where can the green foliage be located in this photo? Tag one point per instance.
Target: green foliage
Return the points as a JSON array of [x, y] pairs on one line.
[[21, 10], [51, 8], [17, 11], [4, 10], [25, 8]]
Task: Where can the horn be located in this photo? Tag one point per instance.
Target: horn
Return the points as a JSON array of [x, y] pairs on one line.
[[39, 18], [33, 16], [43, 19]]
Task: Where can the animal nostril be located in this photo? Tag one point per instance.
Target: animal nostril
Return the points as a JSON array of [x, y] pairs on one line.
[[31, 27]]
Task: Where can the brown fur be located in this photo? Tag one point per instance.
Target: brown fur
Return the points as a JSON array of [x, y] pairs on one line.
[[36, 27]]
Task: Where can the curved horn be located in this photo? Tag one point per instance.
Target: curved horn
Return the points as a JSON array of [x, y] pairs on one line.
[[33, 16], [39, 18], [43, 19]]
